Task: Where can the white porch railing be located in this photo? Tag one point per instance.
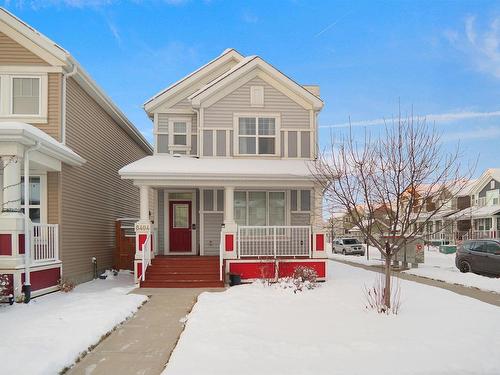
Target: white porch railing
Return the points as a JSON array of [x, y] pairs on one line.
[[146, 256], [44, 242], [484, 234], [221, 254], [274, 241]]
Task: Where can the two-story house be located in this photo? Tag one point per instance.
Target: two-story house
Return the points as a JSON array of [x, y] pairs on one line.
[[60, 133], [231, 175]]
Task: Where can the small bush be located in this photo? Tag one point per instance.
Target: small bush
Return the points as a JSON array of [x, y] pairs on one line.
[[66, 286], [303, 278], [4, 284], [375, 297]]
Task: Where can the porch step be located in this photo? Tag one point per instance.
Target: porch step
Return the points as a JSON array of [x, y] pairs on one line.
[[183, 272]]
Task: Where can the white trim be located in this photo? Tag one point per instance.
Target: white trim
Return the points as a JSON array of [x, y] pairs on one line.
[[29, 69], [7, 97], [174, 147], [257, 96], [257, 115]]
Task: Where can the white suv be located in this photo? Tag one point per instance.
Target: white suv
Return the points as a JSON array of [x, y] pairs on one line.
[[348, 246]]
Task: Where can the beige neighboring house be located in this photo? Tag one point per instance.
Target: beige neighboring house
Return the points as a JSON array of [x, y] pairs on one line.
[[234, 141], [61, 132]]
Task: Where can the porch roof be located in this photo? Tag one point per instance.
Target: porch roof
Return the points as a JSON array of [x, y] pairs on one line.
[[29, 135], [476, 212], [179, 167]]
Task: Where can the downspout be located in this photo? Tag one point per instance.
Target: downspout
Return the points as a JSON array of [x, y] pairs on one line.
[[63, 104], [27, 224]]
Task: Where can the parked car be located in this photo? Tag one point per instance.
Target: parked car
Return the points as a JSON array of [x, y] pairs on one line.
[[348, 246], [479, 256]]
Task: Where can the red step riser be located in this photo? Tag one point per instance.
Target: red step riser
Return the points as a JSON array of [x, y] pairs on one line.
[[182, 284], [183, 278]]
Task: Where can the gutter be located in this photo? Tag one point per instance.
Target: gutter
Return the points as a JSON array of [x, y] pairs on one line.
[[63, 104], [27, 224]]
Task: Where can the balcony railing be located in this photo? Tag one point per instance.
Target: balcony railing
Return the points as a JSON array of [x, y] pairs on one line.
[[44, 243], [484, 234], [274, 241]]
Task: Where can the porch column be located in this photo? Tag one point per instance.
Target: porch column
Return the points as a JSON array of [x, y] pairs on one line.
[[144, 203], [11, 185], [229, 206]]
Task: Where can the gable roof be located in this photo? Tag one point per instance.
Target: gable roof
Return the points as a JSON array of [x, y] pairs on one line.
[[245, 66], [226, 56], [58, 56], [486, 177]]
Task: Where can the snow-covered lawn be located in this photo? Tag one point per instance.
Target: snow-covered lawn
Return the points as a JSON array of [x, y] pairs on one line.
[[252, 329], [50, 332], [437, 266], [441, 267]]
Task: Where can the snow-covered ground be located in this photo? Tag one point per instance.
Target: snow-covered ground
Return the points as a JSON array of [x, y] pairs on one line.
[[441, 267], [252, 329], [437, 266], [50, 332]]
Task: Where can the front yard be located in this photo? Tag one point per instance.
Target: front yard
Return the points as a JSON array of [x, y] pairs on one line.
[[51, 332], [252, 329]]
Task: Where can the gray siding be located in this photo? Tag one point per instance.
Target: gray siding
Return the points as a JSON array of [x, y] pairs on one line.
[[482, 193], [220, 114], [300, 218], [93, 196], [161, 221], [211, 232]]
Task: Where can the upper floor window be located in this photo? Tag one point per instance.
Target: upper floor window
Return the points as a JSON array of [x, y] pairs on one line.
[[25, 95], [179, 133], [257, 135]]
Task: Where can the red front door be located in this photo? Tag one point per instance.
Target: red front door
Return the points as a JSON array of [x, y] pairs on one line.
[[180, 226]]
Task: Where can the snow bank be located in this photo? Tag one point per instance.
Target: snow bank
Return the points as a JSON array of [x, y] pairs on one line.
[[441, 267], [51, 331], [251, 329]]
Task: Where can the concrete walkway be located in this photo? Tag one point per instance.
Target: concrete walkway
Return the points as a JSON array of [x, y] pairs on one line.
[[143, 344], [481, 295]]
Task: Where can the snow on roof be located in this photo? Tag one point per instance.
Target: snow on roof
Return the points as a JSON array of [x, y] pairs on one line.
[[186, 167], [476, 212], [30, 135]]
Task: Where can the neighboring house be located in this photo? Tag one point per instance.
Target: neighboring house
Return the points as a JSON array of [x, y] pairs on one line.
[[481, 217], [234, 141], [60, 132]]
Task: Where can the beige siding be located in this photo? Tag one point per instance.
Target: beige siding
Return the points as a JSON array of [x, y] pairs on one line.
[[220, 114], [53, 197], [93, 195], [53, 125], [300, 218], [12, 53]]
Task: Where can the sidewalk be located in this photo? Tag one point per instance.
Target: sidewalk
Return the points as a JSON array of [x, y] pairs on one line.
[[481, 295], [143, 344]]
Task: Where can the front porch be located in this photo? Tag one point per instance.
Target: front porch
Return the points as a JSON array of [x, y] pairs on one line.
[[249, 224]]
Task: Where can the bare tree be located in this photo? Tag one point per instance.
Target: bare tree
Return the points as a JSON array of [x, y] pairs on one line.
[[393, 175]]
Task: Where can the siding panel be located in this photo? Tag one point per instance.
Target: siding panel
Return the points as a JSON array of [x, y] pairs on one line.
[[93, 195], [12, 53], [300, 218], [211, 232], [53, 197], [53, 125], [220, 114]]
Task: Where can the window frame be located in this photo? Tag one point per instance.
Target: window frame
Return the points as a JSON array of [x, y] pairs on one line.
[[247, 194], [43, 196], [298, 205], [276, 136], [7, 77], [172, 147]]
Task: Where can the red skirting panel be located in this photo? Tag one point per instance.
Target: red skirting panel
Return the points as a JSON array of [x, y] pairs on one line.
[[287, 268], [257, 270], [44, 278], [5, 244]]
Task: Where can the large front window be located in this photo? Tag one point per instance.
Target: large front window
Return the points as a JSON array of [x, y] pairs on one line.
[[257, 135], [259, 208]]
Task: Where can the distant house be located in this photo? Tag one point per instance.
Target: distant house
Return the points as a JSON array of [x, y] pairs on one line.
[[60, 132], [234, 141]]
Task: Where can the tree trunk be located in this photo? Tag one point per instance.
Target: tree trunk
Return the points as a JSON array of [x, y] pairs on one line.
[[387, 291]]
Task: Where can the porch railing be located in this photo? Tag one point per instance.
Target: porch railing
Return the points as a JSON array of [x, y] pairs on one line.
[[44, 242], [146, 256], [484, 234], [274, 241]]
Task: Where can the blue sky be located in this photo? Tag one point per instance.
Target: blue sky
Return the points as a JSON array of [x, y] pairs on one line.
[[441, 58]]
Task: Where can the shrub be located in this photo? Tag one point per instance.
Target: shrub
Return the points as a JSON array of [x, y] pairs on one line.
[[375, 297], [303, 278], [66, 285], [4, 284]]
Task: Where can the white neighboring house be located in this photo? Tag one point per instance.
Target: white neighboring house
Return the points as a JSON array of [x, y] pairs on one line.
[[230, 172]]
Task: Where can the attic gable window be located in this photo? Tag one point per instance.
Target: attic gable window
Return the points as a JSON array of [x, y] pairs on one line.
[[257, 135], [257, 96]]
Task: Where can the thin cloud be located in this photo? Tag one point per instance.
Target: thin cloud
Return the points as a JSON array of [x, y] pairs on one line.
[[332, 25], [489, 132], [437, 118], [482, 45]]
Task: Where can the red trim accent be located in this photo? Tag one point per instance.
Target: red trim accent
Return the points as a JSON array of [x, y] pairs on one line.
[[287, 268], [320, 242], [139, 270], [142, 239], [229, 242], [5, 244], [44, 278], [21, 243]]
